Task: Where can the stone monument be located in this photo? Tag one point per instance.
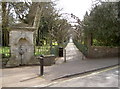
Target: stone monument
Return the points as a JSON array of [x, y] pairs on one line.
[[22, 45], [22, 42]]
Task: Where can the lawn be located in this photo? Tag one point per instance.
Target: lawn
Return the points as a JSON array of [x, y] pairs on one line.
[[5, 51], [44, 50]]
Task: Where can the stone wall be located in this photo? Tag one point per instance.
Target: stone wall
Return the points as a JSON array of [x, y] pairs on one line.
[[102, 51]]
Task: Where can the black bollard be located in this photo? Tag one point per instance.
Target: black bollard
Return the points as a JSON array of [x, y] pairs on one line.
[[41, 60], [41, 66]]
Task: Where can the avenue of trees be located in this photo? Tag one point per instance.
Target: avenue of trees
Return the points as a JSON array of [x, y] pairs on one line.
[[102, 22]]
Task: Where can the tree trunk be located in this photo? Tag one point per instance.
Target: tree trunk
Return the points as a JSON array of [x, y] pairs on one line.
[[5, 32], [89, 43], [89, 40]]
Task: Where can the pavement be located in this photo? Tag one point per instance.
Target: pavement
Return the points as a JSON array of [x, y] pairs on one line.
[[76, 65], [28, 76]]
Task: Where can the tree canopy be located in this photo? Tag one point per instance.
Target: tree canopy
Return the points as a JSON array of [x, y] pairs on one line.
[[11, 13], [51, 25], [102, 22]]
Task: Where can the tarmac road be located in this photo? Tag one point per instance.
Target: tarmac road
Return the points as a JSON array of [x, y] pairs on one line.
[[104, 78]]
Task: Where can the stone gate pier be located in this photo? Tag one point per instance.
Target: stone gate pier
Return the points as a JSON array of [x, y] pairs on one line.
[[22, 45]]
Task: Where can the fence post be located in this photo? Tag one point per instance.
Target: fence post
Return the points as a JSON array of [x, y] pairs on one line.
[[64, 55]]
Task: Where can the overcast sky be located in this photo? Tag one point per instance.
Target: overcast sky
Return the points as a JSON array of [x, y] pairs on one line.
[[77, 7]]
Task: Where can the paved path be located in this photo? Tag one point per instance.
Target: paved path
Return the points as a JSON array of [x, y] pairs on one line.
[[75, 64], [72, 53]]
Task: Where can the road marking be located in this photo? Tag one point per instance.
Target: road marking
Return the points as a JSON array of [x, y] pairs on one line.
[[108, 77], [46, 85], [83, 76], [87, 75], [94, 73]]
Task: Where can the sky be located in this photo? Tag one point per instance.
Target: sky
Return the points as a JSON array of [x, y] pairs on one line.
[[77, 7]]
